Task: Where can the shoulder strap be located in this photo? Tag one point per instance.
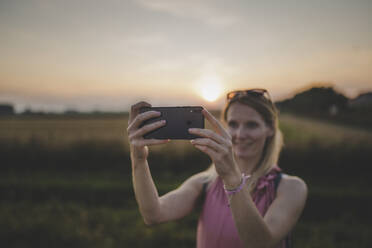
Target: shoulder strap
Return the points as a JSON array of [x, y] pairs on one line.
[[204, 192], [277, 180], [201, 198]]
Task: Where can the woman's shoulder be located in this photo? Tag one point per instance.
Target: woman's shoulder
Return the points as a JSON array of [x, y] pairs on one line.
[[202, 181], [292, 185], [199, 180], [200, 177]]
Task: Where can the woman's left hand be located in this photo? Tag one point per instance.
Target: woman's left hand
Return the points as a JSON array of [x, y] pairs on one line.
[[217, 145]]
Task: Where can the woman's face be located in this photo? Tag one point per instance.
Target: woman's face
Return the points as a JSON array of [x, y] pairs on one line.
[[248, 131]]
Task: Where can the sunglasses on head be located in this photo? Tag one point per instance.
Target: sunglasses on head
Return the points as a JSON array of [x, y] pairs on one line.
[[246, 93]]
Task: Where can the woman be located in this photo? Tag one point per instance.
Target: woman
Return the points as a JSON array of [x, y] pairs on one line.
[[248, 202]]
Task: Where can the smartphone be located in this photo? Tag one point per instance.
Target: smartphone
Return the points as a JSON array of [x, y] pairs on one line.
[[178, 121]]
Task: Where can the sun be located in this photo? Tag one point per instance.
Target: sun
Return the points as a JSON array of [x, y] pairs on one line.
[[210, 88]]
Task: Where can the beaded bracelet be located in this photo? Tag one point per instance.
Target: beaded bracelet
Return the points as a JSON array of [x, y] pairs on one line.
[[231, 192]]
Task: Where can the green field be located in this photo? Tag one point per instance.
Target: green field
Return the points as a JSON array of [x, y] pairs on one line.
[[67, 183]]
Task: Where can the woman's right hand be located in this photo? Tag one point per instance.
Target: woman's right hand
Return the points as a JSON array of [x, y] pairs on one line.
[[138, 145]]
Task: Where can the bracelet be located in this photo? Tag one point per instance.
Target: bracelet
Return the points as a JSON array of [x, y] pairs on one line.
[[230, 192]]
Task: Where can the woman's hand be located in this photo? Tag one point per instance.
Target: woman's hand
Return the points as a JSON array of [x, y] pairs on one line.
[[218, 146], [138, 145]]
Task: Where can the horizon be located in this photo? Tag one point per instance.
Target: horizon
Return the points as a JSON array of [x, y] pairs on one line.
[[213, 108], [94, 55]]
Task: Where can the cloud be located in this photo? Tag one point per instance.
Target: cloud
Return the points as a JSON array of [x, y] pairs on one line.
[[205, 11]]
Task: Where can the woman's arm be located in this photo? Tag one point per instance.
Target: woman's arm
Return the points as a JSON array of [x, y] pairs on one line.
[[171, 206], [280, 218], [287, 207], [155, 209]]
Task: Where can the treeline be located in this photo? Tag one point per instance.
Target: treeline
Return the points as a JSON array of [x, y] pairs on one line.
[[329, 104], [7, 109]]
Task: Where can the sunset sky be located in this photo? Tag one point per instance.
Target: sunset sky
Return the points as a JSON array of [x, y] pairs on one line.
[[105, 55]]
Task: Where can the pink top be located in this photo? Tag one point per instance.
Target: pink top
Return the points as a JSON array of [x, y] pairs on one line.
[[216, 227]]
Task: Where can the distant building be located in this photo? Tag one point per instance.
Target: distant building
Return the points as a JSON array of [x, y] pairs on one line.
[[333, 110], [6, 109]]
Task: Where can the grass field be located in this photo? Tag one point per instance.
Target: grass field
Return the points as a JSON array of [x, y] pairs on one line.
[[66, 183], [64, 131]]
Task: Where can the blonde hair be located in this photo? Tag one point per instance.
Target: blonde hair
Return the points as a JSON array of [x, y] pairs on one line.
[[273, 145]]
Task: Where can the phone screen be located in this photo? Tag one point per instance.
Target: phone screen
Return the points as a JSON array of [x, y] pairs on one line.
[[178, 121]]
